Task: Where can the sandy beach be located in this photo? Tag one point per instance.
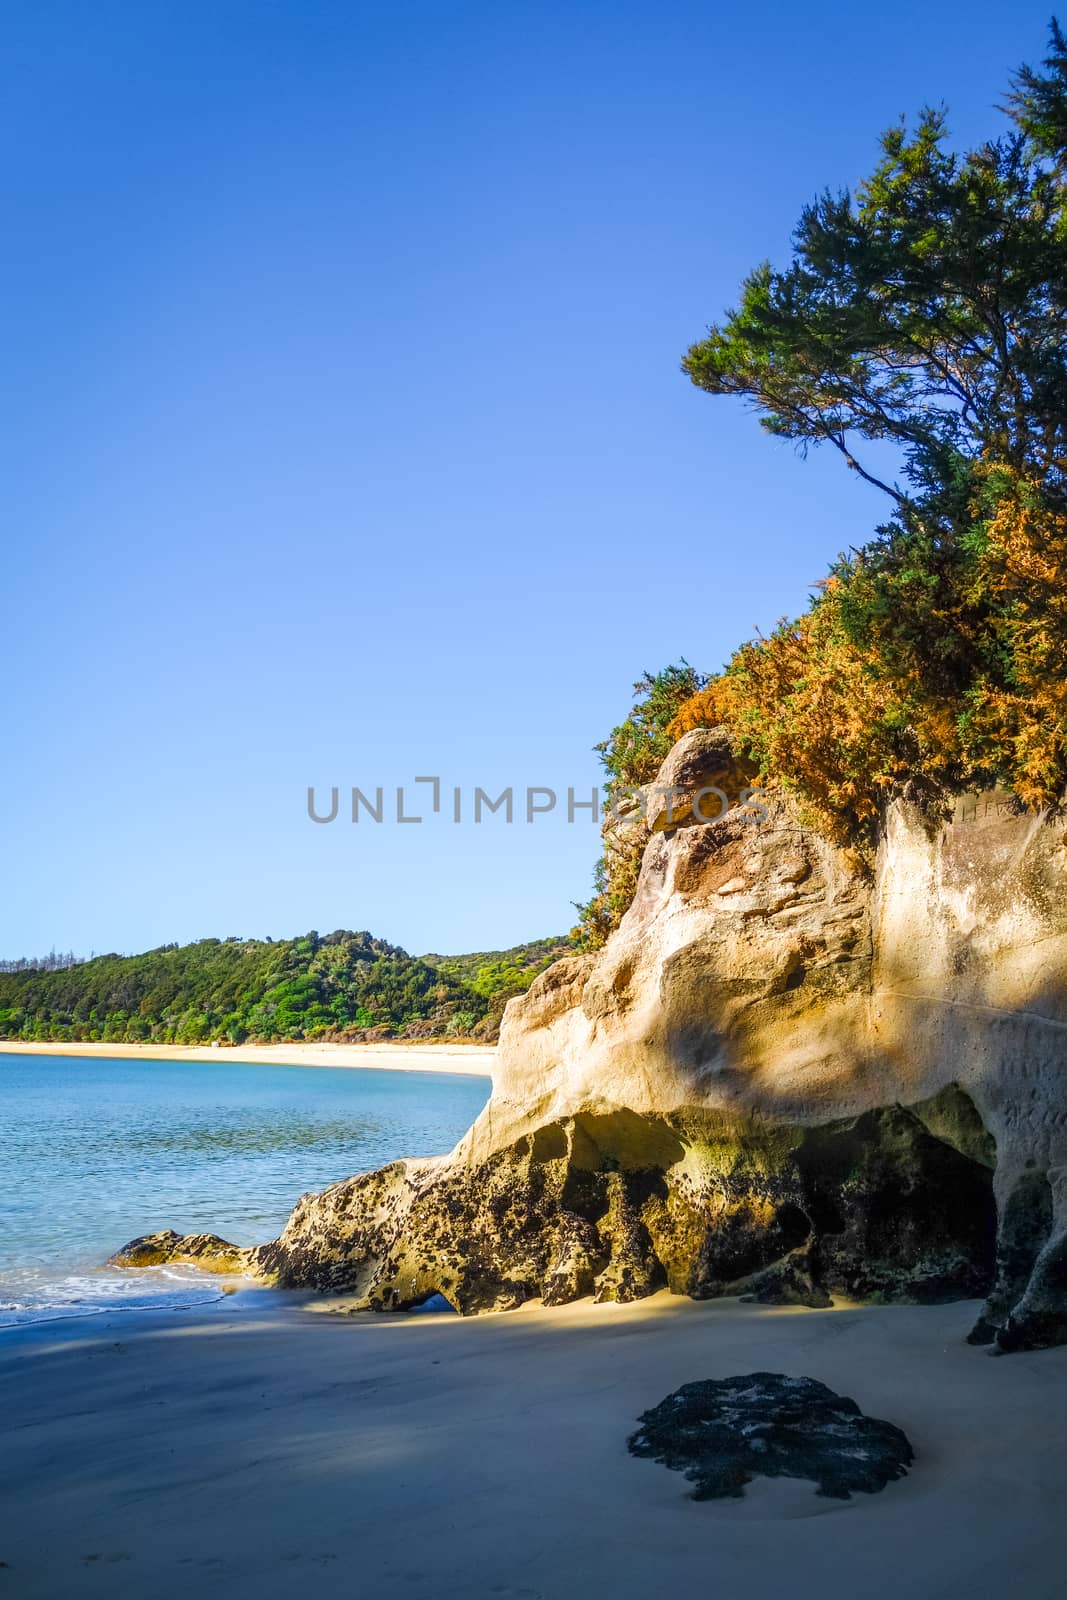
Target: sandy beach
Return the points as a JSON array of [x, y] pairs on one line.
[[248, 1448], [462, 1058]]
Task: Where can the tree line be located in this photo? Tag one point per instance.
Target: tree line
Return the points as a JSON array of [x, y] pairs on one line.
[[342, 986]]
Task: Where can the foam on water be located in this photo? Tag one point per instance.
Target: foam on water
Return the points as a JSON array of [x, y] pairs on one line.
[[36, 1295]]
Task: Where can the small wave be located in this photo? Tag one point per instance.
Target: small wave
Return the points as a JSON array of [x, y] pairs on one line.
[[30, 1296]]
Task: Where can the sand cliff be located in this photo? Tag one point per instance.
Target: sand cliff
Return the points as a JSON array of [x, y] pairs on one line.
[[791, 1071]]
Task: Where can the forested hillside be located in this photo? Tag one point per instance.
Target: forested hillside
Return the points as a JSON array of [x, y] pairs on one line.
[[496, 975], [342, 986]]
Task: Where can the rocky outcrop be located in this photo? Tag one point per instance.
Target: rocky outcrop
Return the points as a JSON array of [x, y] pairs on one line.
[[791, 1071], [700, 781], [167, 1248], [618, 1205]]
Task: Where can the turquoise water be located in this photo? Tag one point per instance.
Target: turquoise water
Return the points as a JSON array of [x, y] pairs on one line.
[[95, 1151]]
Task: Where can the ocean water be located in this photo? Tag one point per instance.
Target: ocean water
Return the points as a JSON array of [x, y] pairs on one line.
[[95, 1151]]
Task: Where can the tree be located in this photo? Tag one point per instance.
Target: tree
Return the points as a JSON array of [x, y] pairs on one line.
[[927, 312]]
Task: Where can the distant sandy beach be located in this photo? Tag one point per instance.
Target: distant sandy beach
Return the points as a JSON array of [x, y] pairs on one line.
[[250, 1450], [471, 1059]]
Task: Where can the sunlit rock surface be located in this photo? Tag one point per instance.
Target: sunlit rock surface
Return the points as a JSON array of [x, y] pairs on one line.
[[789, 1072], [167, 1248]]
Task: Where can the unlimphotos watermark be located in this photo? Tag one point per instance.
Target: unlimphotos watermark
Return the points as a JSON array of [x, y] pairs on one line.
[[528, 803]]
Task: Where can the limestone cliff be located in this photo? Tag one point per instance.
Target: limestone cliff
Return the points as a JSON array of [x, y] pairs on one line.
[[791, 1071]]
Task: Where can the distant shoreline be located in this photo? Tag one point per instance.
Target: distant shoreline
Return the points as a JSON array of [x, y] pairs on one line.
[[472, 1060]]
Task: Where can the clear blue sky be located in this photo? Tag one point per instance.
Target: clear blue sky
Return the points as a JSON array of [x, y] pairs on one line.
[[345, 437]]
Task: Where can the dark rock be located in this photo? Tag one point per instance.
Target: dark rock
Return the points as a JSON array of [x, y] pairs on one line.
[[619, 1205], [789, 1282], [899, 1214], [724, 1432], [1039, 1319], [1026, 1222], [577, 1257], [204, 1250]]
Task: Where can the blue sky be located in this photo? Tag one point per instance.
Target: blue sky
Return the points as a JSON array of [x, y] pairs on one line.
[[345, 435]]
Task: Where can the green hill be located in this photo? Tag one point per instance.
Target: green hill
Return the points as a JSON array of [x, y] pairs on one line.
[[494, 976], [342, 986]]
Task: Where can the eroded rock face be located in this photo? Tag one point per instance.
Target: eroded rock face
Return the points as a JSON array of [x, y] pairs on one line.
[[700, 781], [766, 973], [724, 1432], [619, 1205], [789, 1072]]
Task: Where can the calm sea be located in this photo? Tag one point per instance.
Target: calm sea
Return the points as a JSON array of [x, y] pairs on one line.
[[94, 1152]]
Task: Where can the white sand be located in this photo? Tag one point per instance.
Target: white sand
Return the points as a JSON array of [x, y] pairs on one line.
[[470, 1059], [252, 1451]]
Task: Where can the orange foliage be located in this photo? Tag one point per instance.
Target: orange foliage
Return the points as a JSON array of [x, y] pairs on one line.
[[1019, 723], [845, 724]]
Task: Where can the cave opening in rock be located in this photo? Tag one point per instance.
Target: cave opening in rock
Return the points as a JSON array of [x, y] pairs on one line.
[[901, 1212], [433, 1304]]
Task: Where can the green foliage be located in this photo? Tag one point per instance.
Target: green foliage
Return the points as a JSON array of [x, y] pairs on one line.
[[633, 752], [927, 312], [496, 976], [632, 756], [615, 878], [1037, 99], [336, 987]]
